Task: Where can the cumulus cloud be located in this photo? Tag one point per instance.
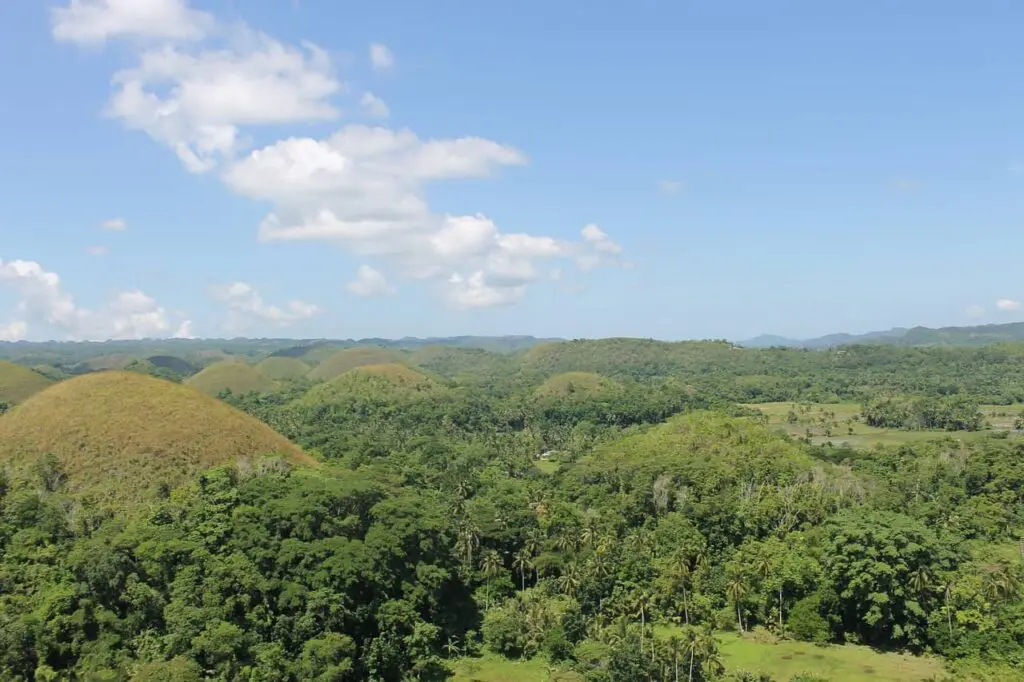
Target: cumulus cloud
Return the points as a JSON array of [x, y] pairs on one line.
[[374, 106], [97, 250], [43, 302], [184, 330], [15, 331], [196, 102], [1007, 304], [369, 282], [246, 308], [92, 22], [114, 225], [363, 188], [381, 58]]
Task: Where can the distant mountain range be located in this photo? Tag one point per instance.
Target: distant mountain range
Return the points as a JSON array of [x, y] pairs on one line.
[[901, 336]]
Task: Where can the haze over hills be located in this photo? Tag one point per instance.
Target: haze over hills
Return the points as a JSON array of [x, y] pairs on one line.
[[978, 335]]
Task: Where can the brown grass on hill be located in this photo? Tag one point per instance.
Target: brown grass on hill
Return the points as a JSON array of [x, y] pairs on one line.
[[569, 383], [350, 358], [121, 435], [234, 376], [279, 368], [17, 383]]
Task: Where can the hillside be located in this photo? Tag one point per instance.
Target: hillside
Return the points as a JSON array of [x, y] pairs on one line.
[[18, 383], [395, 373], [121, 435], [577, 384], [231, 376], [978, 335], [281, 368], [342, 361]]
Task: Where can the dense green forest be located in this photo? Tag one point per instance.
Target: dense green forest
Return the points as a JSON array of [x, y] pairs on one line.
[[617, 509]]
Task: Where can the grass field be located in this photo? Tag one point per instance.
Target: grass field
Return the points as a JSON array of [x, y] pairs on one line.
[[490, 668], [839, 423], [781, 660], [237, 377], [784, 659], [18, 383]]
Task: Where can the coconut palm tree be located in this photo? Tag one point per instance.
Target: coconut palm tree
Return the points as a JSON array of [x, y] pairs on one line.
[[735, 590], [523, 562], [492, 566]]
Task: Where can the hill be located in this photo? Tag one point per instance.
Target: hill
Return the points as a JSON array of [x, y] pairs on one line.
[[231, 376], [280, 368], [978, 335], [580, 384], [173, 364], [380, 384], [122, 435], [17, 383], [343, 360], [395, 373]]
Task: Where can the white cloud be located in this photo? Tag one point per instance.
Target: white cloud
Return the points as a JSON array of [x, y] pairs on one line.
[[475, 292], [1007, 304], [197, 102], [97, 250], [369, 282], [184, 330], [247, 308], [15, 331], [381, 58], [92, 22], [374, 106], [114, 225], [363, 188], [670, 187], [43, 302]]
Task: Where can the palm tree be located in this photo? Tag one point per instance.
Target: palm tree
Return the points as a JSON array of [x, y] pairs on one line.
[[642, 604], [711, 661], [735, 590], [675, 645], [570, 579], [523, 562], [469, 539], [452, 647], [682, 575], [492, 565]]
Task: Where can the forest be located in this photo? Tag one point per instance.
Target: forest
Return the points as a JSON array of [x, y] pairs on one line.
[[605, 511]]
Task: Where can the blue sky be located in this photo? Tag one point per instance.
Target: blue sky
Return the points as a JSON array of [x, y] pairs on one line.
[[676, 170]]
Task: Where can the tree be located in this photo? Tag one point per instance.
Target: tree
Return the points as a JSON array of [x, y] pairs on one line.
[[523, 562], [735, 590]]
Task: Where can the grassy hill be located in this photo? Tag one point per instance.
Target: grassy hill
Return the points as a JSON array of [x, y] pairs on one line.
[[575, 383], [173, 364], [234, 376], [281, 368], [18, 383], [395, 373], [378, 384], [342, 361], [119, 436]]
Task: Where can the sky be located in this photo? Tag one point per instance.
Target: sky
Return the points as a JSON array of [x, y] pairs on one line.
[[325, 169]]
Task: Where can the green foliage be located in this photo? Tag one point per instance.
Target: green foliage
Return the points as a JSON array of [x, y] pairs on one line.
[[952, 413], [806, 623]]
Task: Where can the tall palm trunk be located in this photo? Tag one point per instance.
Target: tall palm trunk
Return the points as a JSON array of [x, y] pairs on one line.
[[780, 609]]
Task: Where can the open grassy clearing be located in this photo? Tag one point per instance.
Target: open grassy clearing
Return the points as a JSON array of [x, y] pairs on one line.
[[783, 659], [490, 668], [840, 423]]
